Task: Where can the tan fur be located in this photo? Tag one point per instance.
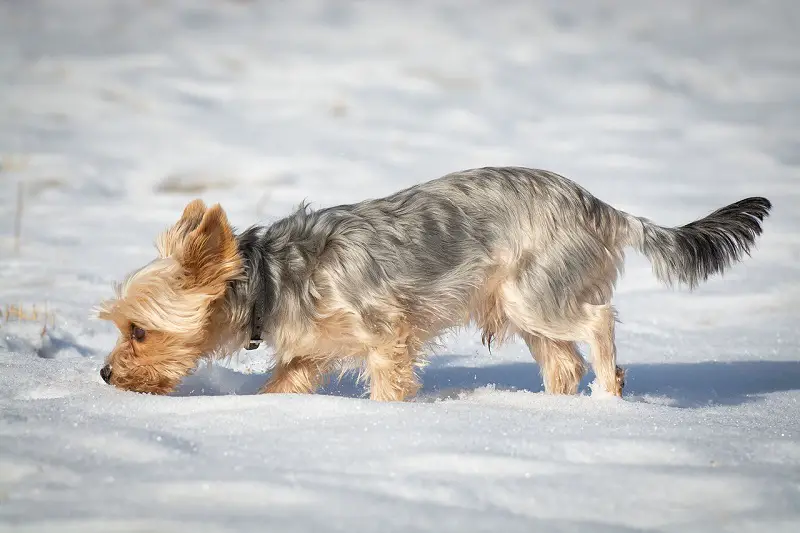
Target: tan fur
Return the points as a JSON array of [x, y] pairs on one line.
[[169, 241], [561, 365], [176, 299], [301, 375]]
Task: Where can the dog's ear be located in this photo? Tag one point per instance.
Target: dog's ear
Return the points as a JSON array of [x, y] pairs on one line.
[[209, 254], [193, 213], [169, 241]]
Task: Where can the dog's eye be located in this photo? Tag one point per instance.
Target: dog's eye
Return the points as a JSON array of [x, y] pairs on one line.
[[137, 333]]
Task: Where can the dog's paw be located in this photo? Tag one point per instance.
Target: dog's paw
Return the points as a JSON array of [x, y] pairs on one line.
[[620, 375]]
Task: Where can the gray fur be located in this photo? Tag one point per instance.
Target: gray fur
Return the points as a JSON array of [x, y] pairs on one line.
[[692, 253], [432, 247]]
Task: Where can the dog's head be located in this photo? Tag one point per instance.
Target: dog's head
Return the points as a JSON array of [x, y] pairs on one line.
[[165, 310]]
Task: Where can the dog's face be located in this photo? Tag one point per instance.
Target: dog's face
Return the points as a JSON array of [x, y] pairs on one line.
[[165, 310]]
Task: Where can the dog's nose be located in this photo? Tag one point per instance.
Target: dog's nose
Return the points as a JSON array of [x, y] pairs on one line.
[[105, 373]]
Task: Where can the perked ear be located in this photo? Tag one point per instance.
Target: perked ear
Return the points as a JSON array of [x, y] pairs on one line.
[[169, 241], [210, 255]]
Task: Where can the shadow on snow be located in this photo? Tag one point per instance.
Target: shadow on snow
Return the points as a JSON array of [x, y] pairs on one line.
[[681, 384]]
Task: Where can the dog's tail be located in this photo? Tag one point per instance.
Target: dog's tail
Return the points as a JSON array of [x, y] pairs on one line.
[[690, 254]]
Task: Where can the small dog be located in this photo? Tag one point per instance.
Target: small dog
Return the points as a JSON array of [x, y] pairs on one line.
[[514, 251]]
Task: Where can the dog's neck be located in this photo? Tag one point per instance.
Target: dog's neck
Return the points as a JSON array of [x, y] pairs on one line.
[[258, 313], [254, 296]]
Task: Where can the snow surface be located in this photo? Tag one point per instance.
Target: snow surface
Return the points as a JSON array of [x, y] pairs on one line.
[[114, 114]]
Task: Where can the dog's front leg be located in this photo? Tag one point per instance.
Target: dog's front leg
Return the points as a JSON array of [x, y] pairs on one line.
[[300, 376], [391, 373]]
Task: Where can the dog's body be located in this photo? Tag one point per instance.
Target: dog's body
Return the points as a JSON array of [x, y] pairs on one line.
[[514, 251]]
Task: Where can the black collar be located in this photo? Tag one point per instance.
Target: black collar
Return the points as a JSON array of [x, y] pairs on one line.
[[257, 314], [260, 286]]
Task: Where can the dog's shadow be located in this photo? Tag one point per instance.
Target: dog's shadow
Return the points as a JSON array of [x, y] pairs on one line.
[[675, 384]]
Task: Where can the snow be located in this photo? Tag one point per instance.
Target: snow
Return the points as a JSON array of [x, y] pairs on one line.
[[115, 114]]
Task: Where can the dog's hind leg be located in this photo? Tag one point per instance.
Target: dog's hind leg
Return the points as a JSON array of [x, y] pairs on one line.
[[560, 364], [594, 325], [550, 339], [561, 327], [603, 348]]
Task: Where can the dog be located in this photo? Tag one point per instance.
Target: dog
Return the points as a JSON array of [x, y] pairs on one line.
[[513, 251]]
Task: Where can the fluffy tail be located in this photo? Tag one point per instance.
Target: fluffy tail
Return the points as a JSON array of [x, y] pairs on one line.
[[690, 254]]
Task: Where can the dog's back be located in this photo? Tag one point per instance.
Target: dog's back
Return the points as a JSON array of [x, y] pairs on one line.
[[443, 243]]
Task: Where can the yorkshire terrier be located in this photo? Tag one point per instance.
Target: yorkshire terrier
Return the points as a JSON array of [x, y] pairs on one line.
[[513, 251]]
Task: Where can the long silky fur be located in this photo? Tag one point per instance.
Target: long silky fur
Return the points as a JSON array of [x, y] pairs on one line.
[[514, 251]]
